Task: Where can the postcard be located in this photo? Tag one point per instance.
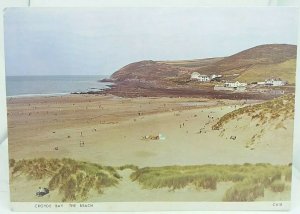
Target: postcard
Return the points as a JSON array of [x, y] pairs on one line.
[[150, 108]]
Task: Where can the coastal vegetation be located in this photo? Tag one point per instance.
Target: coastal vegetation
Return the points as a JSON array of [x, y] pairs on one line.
[[279, 108], [249, 180], [73, 179]]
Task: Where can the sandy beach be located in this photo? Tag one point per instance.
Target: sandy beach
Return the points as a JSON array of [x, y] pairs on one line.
[[114, 131]]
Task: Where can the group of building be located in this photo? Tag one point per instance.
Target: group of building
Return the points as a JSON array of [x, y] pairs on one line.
[[272, 82], [234, 86]]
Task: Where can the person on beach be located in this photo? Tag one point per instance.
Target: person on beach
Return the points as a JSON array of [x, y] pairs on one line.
[[81, 144]]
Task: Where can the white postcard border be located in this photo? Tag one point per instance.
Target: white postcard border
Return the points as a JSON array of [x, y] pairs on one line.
[[150, 206]]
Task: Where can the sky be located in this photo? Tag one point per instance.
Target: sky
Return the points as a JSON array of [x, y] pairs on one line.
[[74, 41]]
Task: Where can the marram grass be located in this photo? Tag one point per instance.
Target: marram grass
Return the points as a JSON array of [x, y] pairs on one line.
[[75, 179], [249, 180], [282, 106]]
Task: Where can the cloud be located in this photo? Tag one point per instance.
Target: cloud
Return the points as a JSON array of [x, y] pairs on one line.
[[43, 41]]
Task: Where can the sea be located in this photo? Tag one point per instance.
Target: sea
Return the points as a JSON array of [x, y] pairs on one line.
[[53, 85]]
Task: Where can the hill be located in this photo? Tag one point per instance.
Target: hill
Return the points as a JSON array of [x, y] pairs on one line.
[[147, 70], [194, 63], [254, 64]]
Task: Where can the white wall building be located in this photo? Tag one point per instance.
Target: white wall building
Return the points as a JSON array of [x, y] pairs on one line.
[[204, 78], [234, 84], [215, 76], [195, 75], [231, 86], [199, 77], [274, 82]]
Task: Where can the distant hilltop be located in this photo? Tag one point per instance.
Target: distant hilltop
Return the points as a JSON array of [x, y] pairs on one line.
[[254, 64]]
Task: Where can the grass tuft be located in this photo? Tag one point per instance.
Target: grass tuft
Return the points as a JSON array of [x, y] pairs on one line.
[[277, 186], [244, 191]]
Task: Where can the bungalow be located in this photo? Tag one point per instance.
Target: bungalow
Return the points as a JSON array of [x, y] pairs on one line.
[[234, 84], [195, 75], [199, 77], [231, 86], [275, 82]]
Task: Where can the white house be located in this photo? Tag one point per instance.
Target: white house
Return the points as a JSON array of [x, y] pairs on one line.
[[204, 78], [215, 76], [234, 84], [199, 77], [274, 82], [231, 86], [195, 75]]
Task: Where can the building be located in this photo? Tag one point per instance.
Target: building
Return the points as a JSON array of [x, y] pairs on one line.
[[275, 82], [234, 84], [195, 75], [231, 86], [199, 77], [215, 77], [205, 78]]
